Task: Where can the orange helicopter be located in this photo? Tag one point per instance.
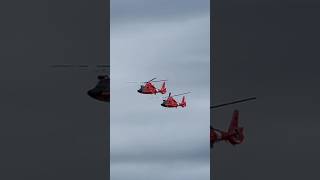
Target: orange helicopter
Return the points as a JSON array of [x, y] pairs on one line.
[[170, 102], [149, 88]]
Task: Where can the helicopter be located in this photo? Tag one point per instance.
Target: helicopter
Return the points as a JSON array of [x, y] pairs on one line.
[[235, 134], [149, 88], [101, 91], [170, 102]]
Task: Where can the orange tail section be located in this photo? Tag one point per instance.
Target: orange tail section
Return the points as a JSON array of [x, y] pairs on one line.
[[235, 121], [183, 102], [235, 133], [163, 89]]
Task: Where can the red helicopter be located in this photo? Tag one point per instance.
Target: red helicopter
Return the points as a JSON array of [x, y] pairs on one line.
[[149, 88], [170, 102], [235, 134]]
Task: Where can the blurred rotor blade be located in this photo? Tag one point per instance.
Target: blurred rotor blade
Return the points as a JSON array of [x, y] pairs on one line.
[[78, 66], [160, 80], [69, 66], [177, 94], [103, 66], [180, 94], [234, 102], [95, 68], [150, 80], [100, 70]]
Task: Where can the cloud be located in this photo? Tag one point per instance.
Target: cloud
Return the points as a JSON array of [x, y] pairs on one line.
[[127, 11], [158, 171], [174, 47]]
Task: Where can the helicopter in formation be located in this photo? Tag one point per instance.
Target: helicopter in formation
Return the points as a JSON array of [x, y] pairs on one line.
[[170, 102], [101, 91], [235, 134], [149, 88]]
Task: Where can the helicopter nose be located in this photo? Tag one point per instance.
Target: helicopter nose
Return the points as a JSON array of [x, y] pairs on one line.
[[91, 93]]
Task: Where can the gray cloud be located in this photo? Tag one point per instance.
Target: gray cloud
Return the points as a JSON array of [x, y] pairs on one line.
[[126, 11], [168, 171], [143, 132]]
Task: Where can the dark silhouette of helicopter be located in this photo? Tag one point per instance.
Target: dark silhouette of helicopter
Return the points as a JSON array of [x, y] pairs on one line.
[[235, 134], [101, 91]]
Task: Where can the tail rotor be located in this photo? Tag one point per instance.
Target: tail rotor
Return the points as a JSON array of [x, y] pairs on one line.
[[235, 133], [183, 102], [163, 88]]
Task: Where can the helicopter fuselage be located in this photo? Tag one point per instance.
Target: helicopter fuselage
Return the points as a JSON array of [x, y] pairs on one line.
[[170, 103], [148, 88], [101, 91]]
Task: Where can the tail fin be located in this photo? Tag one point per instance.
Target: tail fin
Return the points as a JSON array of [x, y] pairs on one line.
[[235, 121], [183, 102], [163, 89], [235, 132]]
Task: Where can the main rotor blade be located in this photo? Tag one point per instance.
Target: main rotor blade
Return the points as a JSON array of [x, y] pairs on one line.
[[180, 94], [79, 66], [102, 66], [234, 102], [83, 67], [150, 80], [160, 80], [68, 66]]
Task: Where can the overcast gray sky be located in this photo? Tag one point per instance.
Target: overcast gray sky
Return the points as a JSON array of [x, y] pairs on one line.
[[167, 40]]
